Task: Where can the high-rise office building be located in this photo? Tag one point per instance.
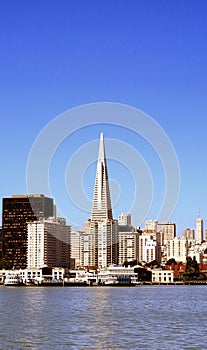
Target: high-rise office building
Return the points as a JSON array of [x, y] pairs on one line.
[[48, 243], [103, 231], [128, 246], [199, 230], [75, 249], [167, 231], [128, 239], [17, 211], [149, 249], [188, 233], [177, 249], [151, 229]]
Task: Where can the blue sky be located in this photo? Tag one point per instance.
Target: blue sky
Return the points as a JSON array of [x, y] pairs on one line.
[[56, 55]]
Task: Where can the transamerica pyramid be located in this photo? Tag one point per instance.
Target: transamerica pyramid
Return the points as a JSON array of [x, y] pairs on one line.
[[103, 229], [101, 200]]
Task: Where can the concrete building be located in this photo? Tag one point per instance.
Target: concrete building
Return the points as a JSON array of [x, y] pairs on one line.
[[124, 220], [128, 246], [199, 230], [177, 249], [167, 231], [162, 276], [88, 243], [75, 249], [197, 250], [188, 233], [48, 243], [151, 229], [151, 226], [17, 211], [149, 249]]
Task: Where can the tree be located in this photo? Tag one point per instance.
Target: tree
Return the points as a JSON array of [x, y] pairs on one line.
[[192, 269], [171, 261]]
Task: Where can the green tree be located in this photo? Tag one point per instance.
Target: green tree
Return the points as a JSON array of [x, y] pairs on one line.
[[192, 269]]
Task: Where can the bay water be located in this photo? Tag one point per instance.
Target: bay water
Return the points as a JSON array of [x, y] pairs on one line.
[[143, 317]]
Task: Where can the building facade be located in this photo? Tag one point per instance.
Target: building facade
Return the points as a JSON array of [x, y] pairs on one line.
[[188, 233], [167, 231], [151, 228], [48, 243], [124, 219], [75, 249], [149, 249], [199, 230], [17, 211], [128, 246], [177, 249], [162, 276]]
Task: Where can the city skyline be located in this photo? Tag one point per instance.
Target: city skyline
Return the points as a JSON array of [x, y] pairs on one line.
[[148, 55]]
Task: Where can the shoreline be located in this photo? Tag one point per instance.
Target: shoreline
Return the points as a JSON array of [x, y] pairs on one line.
[[119, 285]]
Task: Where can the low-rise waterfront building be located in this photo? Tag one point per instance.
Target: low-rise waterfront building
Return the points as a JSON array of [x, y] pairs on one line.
[[117, 275], [162, 276], [35, 274]]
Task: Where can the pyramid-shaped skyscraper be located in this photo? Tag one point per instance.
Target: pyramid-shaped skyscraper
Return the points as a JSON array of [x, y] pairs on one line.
[[101, 200], [103, 229]]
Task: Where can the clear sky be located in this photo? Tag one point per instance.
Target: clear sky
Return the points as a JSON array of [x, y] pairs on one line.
[[152, 55]]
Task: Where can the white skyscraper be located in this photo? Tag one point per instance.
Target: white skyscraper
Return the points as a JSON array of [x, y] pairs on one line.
[[149, 249], [103, 229], [48, 243]]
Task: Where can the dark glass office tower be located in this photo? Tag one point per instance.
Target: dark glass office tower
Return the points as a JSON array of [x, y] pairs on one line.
[[17, 211]]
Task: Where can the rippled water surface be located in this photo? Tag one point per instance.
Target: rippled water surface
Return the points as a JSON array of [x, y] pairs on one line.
[[159, 317]]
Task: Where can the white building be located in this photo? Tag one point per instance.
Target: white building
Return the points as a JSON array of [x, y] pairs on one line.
[[149, 249], [48, 243], [75, 248], [88, 244], [197, 250], [162, 276], [177, 248], [117, 274], [35, 274], [128, 246]]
